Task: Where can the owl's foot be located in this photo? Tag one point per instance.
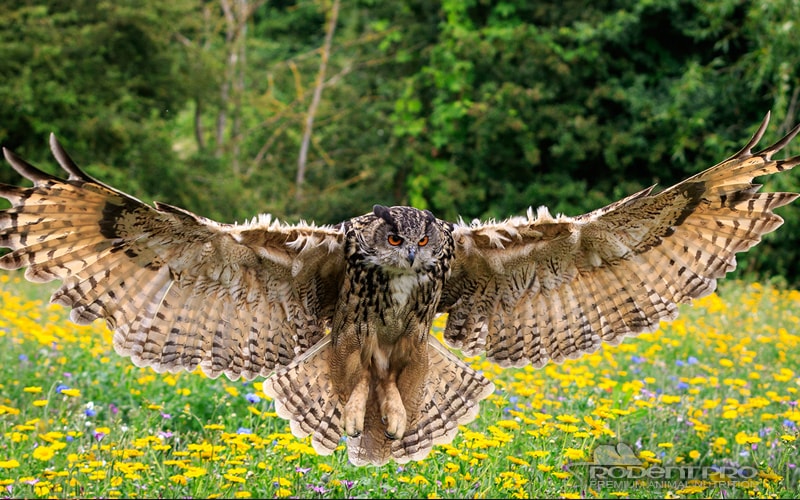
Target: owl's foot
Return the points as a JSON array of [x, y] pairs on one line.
[[356, 408], [393, 412]]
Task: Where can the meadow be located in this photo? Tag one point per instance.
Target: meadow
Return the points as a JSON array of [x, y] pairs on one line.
[[715, 390]]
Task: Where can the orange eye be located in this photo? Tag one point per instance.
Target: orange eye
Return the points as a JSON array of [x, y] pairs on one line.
[[395, 240], [423, 241]]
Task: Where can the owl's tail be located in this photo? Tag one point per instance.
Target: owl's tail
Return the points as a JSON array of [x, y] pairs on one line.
[[450, 397], [305, 395]]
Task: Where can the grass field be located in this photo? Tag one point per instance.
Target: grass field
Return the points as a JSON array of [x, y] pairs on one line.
[[716, 390]]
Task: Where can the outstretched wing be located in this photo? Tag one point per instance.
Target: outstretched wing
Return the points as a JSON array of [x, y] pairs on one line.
[[538, 288], [179, 291]]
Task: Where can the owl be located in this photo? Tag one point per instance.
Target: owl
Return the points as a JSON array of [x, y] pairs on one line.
[[337, 318]]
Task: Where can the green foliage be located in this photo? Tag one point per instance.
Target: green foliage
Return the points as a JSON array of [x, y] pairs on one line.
[[469, 108]]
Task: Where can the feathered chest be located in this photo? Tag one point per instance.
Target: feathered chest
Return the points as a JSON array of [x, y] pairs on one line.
[[390, 298]]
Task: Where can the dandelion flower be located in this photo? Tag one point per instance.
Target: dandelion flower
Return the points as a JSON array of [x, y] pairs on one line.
[[419, 480], [178, 479], [43, 453], [573, 454]]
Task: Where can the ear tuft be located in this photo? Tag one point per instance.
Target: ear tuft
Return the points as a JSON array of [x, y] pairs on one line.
[[383, 212]]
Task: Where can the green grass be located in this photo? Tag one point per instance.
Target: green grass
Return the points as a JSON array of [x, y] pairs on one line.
[[718, 387]]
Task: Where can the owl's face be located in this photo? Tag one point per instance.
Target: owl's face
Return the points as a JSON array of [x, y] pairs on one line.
[[402, 239]]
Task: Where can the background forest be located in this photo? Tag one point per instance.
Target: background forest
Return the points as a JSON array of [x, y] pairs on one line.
[[317, 109]]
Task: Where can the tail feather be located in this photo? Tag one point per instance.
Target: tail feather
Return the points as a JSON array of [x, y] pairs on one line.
[[451, 394], [305, 395]]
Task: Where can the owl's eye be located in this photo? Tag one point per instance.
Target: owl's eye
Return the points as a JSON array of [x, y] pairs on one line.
[[423, 241], [395, 240]]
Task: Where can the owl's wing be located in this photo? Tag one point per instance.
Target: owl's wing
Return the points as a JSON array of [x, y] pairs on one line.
[[537, 288], [178, 290]]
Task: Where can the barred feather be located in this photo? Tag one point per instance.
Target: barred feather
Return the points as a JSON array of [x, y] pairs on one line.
[[180, 291], [564, 285]]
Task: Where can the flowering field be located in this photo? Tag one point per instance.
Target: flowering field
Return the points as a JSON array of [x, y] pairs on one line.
[[716, 390]]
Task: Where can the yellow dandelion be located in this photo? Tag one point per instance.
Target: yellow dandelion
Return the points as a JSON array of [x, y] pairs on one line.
[[743, 438], [649, 456], [665, 445], [518, 461], [694, 454], [42, 488], [544, 468], [233, 478], [32, 389], [282, 481], [508, 424], [243, 494], [74, 393], [179, 479], [770, 475], [9, 464], [43, 453], [788, 438], [194, 471], [283, 493], [419, 480], [325, 468], [573, 454], [691, 490]]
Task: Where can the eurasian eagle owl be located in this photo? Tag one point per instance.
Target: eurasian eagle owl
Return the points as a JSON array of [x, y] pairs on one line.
[[181, 291]]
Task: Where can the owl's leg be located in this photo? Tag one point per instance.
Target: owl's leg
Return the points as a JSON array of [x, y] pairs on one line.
[[356, 406], [393, 412]]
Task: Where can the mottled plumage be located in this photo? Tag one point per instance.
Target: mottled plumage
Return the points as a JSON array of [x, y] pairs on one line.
[[257, 299]]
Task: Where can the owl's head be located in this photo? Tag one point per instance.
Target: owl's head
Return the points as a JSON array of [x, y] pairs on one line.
[[402, 238]]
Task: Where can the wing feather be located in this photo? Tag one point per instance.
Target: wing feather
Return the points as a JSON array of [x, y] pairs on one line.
[[539, 288], [179, 290]]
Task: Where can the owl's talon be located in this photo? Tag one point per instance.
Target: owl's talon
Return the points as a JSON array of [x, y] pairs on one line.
[[356, 408], [389, 435], [393, 411]]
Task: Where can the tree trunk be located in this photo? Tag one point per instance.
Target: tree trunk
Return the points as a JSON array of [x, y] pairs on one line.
[[312, 108]]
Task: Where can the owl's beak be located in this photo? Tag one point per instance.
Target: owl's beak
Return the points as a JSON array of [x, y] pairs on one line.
[[412, 253]]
